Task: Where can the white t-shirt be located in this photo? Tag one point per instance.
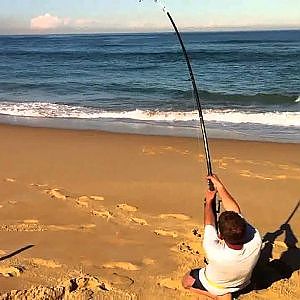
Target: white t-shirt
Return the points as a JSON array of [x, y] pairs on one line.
[[228, 270]]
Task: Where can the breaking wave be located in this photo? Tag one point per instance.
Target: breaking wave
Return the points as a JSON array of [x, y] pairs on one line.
[[53, 110]]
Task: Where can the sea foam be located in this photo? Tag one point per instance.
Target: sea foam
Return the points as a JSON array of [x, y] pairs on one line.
[[53, 110]]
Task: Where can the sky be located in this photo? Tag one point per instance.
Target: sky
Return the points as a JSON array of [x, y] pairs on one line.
[[83, 16]]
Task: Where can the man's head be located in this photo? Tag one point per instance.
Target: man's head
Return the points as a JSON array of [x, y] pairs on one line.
[[232, 227]]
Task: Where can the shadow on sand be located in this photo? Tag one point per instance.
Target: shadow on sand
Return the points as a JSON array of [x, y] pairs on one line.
[[16, 252], [269, 270]]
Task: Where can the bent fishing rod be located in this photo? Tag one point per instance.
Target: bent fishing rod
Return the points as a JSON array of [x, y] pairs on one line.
[[216, 206]]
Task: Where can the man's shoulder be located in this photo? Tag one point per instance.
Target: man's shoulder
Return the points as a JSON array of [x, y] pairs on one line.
[[210, 233], [211, 241]]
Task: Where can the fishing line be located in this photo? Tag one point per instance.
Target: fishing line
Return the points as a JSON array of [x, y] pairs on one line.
[[216, 207]]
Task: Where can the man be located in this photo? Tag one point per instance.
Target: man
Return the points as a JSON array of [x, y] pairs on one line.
[[232, 253]]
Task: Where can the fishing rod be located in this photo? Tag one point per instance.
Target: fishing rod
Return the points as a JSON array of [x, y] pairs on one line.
[[216, 206]]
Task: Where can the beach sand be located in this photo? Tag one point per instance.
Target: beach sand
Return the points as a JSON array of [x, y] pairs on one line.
[[89, 214]]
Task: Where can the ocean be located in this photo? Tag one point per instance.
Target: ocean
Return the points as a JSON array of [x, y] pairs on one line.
[[249, 83]]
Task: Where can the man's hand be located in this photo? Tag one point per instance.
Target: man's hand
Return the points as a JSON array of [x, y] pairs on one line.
[[216, 181]]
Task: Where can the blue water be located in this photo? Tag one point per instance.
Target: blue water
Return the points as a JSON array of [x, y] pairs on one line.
[[249, 83]]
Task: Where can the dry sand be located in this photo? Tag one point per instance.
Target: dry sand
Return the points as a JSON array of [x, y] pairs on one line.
[[87, 215]]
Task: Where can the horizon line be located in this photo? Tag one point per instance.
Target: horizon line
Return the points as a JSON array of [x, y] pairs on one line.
[[187, 30]]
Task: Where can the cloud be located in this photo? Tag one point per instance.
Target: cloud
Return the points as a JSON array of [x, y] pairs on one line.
[[47, 21], [51, 23]]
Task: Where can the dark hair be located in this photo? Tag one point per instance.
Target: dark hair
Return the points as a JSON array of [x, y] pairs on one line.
[[232, 227]]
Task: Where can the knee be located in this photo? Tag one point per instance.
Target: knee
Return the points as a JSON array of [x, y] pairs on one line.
[[187, 281]]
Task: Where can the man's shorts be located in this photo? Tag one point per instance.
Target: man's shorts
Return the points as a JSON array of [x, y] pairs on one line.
[[197, 284]]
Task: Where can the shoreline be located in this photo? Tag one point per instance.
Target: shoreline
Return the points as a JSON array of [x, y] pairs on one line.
[[112, 132], [122, 210], [143, 130]]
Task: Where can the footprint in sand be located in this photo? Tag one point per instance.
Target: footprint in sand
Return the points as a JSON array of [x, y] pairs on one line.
[[121, 265], [167, 233], [83, 198], [170, 283], [281, 177], [38, 185], [11, 271], [180, 217], [31, 221], [263, 177], [82, 202], [13, 202], [86, 283], [102, 213], [248, 173], [71, 227], [148, 261], [55, 193], [121, 281], [139, 221], [45, 263], [88, 226], [97, 198], [62, 227], [127, 207], [147, 151], [223, 164], [10, 180]]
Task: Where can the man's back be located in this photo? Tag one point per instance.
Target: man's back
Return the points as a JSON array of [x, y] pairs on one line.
[[229, 269]]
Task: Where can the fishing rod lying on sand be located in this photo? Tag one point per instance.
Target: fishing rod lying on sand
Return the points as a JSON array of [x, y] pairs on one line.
[[216, 206]]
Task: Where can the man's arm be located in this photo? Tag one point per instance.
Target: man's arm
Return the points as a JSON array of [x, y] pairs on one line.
[[210, 237], [228, 201], [209, 217]]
